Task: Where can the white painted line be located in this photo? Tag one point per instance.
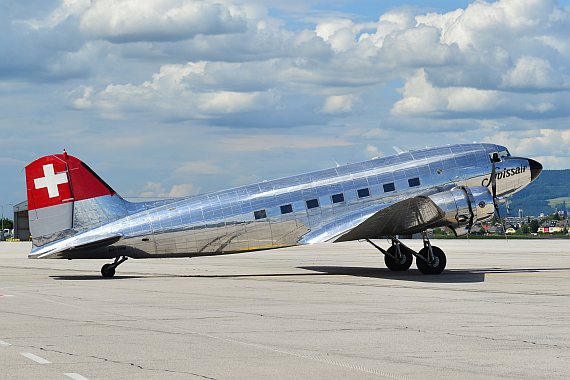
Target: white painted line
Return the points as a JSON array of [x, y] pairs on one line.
[[4, 344], [35, 358], [75, 376]]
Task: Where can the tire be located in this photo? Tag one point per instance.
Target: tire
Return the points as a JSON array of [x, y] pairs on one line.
[[436, 266], [108, 270], [405, 260]]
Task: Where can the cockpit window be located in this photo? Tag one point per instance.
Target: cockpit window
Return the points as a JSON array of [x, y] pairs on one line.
[[504, 153], [499, 156]]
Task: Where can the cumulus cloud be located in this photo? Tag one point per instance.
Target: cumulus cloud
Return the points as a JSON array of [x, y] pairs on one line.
[[175, 91], [339, 104], [340, 33], [204, 83], [157, 190], [159, 20], [422, 98], [81, 97], [456, 64], [549, 146], [183, 190], [506, 44], [228, 102], [534, 73], [67, 8]]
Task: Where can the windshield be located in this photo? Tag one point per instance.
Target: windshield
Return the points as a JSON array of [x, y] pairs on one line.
[[499, 155], [504, 153]]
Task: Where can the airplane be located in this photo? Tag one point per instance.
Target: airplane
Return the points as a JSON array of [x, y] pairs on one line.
[[74, 214]]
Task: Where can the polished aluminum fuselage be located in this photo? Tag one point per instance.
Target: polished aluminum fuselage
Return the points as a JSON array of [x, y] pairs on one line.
[[224, 221]]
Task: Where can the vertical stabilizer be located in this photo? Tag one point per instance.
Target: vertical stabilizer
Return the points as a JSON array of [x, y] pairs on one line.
[[65, 196]]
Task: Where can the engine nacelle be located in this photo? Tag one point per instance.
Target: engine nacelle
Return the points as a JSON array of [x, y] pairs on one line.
[[464, 206]]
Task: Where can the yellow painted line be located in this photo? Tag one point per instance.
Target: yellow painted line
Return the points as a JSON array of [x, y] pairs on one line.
[[268, 246]]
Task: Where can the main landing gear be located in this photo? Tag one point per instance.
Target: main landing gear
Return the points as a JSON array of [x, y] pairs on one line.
[[108, 270], [429, 260]]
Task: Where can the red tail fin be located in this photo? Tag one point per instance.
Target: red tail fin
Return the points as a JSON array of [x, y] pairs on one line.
[[61, 178], [54, 183]]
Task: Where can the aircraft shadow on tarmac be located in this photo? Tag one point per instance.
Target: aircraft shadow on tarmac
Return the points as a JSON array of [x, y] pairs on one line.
[[414, 275], [448, 276]]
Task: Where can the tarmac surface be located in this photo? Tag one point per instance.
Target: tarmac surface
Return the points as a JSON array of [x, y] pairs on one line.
[[501, 309]]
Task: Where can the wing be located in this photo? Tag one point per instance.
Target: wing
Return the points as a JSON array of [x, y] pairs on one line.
[[404, 217]]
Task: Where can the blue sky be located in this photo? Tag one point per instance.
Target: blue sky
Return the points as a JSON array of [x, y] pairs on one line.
[[173, 97], [370, 7]]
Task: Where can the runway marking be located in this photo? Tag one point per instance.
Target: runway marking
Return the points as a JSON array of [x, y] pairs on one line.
[[4, 344], [75, 376], [35, 358]]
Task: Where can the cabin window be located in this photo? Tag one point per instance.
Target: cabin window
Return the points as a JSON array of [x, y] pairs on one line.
[[286, 209], [312, 203], [259, 214], [413, 182], [389, 187], [337, 198], [363, 193]]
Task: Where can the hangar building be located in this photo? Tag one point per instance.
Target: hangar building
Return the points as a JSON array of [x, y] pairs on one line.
[[21, 221]]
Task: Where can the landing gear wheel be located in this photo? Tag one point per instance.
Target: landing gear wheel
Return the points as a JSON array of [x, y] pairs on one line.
[[401, 264], [434, 266], [108, 270]]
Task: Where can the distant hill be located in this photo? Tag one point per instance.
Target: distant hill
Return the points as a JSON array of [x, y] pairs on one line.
[[544, 195]]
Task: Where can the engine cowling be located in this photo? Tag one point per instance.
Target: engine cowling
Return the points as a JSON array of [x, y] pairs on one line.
[[464, 206]]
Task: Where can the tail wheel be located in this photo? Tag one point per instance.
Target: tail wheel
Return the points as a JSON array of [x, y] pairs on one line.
[[108, 270], [434, 266], [398, 264]]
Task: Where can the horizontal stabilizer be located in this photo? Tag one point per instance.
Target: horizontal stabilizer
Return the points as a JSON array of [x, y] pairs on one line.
[[103, 242], [76, 244]]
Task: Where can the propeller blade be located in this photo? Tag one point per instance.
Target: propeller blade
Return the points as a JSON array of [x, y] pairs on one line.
[[502, 221], [494, 183]]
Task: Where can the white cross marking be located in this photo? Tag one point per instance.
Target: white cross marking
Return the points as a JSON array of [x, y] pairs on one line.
[[50, 181]]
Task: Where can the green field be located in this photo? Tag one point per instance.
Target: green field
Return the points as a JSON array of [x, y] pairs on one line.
[[558, 201], [543, 195]]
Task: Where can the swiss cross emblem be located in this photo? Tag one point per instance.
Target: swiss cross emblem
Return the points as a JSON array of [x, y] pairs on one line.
[[50, 181]]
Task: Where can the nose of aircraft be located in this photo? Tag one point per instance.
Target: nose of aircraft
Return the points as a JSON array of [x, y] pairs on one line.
[[535, 169]]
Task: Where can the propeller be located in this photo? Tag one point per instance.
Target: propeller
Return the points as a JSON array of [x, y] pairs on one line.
[[494, 192]]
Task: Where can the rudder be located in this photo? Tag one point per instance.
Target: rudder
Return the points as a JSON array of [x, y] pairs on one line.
[[66, 197]]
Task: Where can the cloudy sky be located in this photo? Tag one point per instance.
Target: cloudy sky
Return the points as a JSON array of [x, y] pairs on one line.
[[174, 97]]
